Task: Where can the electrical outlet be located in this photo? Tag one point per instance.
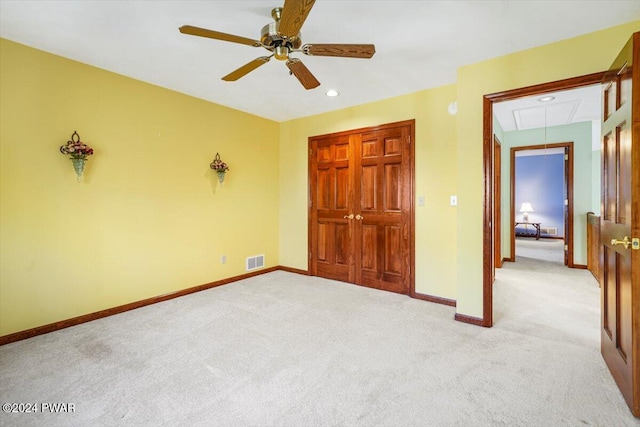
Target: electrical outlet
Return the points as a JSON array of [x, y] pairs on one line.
[[223, 259]]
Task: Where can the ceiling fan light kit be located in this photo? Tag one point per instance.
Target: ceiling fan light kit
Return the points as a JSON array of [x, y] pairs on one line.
[[282, 38]]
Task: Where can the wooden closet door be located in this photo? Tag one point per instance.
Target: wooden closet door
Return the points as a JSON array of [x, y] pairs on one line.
[[331, 188], [361, 211], [383, 196]]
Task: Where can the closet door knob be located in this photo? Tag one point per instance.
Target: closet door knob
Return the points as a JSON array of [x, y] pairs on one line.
[[359, 217], [348, 216]]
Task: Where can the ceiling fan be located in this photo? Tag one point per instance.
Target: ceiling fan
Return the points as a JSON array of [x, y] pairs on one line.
[[282, 38]]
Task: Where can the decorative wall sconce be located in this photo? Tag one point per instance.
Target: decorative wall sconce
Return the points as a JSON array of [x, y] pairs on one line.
[[220, 167], [78, 152]]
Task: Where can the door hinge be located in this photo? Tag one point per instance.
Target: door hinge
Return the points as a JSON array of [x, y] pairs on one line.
[[310, 152], [566, 247], [566, 157], [310, 255], [566, 202]]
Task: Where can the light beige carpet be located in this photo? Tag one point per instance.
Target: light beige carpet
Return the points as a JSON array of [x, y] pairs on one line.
[[288, 350]]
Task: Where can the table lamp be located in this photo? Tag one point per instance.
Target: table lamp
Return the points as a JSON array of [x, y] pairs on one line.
[[525, 209]]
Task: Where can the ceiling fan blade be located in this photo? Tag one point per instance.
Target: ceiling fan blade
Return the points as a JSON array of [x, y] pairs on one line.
[[302, 73], [246, 69], [202, 32], [294, 13], [343, 50]]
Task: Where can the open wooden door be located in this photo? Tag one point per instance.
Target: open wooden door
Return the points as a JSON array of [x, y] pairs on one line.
[[567, 192], [620, 227], [497, 206], [361, 206]]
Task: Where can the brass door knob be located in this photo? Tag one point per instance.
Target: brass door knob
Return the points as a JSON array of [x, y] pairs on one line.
[[624, 242], [359, 217], [348, 216]]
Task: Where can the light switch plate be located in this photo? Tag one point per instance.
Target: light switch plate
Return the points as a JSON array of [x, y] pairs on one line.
[[420, 200], [454, 200]]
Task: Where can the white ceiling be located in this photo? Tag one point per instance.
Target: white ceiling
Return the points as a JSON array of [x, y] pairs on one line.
[[419, 44], [570, 106]]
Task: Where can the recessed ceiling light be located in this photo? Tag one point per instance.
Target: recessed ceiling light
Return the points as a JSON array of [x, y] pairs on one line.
[[547, 98], [332, 92]]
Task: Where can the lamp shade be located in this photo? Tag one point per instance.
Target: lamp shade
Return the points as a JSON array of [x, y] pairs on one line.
[[526, 207]]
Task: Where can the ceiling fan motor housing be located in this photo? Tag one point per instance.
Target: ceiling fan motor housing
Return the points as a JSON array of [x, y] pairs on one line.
[[271, 38]]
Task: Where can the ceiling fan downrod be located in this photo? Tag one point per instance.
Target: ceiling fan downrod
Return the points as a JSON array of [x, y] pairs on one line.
[[276, 13]]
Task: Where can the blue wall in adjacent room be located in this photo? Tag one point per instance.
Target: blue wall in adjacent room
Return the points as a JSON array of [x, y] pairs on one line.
[[540, 181]]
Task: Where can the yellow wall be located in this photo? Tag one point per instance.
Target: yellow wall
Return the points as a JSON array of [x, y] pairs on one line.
[[435, 153], [149, 217], [578, 56]]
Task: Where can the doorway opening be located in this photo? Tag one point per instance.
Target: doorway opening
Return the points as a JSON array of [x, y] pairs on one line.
[[542, 196], [489, 173]]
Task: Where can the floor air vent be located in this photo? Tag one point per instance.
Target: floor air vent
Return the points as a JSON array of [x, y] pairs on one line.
[[255, 262]]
